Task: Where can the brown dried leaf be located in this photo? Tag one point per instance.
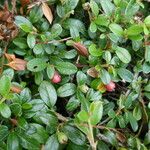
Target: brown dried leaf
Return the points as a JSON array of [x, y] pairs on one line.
[[81, 49], [47, 12], [10, 57], [93, 72], [18, 64], [15, 89], [121, 137]]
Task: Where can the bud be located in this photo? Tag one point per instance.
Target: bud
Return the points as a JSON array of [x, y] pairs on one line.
[[62, 138], [81, 49], [111, 86], [84, 88], [56, 78]]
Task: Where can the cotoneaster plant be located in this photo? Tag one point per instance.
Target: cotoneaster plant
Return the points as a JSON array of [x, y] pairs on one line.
[[74, 74]]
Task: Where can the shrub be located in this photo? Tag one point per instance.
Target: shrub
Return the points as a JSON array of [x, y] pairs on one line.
[[75, 75]]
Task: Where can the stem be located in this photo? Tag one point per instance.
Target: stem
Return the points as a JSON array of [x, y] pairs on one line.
[[2, 100], [91, 137]]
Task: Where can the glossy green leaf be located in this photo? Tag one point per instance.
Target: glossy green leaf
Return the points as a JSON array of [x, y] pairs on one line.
[[36, 65], [74, 135], [123, 55], [31, 40], [66, 90], [48, 93], [5, 110], [116, 29], [23, 23], [5, 85], [125, 75], [66, 68], [12, 142], [105, 77]]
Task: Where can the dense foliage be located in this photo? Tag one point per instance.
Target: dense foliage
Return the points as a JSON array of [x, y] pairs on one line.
[[75, 75]]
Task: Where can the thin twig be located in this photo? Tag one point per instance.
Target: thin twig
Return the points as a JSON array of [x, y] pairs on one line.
[[55, 41]]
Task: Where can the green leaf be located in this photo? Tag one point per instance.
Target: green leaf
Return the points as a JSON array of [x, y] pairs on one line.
[[16, 109], [36, 14], [137, 113], [50, 71], [111, 137], [74, 135], [84, 103], [81, 78], [102, 20], [38, 49], [12, 142], [48, 93], [56, 30], [20, 42], [147, 53], [83, 116], [134, 30], [93, 27], [5, 110], [123, 55], [147, 88], [147, 20], [3, 132], [125, 75], [5, 85], [94, 51], [94, 7], [8, 72], [41, 134], [105, 77], [72, 104], [116, 29], [121, 121], [28, 142], [36, 65], [96, 112], [133, 122], [107, 6], [31, 40], [66, 90], [66, 68], [52, 143], [23, 23]]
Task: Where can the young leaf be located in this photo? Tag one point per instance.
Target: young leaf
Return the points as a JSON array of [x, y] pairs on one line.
[[96, 112]]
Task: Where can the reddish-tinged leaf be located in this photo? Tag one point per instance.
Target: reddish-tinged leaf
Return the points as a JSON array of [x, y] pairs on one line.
[[47, 12], [17, 64], [81, 49], [15, 89], [93, 72], [24, 3]]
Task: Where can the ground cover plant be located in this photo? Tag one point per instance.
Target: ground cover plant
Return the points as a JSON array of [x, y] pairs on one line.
[[75, 75]]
